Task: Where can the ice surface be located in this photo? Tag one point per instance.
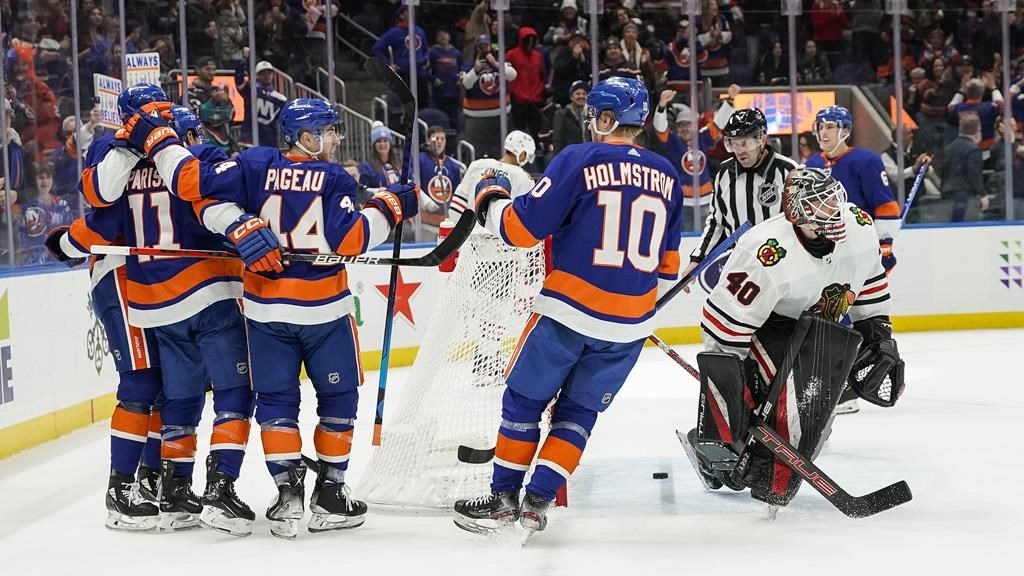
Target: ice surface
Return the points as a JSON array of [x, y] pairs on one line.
[[952, 437]]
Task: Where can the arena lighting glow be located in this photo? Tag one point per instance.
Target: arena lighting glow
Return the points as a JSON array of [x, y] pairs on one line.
[[776, 108]]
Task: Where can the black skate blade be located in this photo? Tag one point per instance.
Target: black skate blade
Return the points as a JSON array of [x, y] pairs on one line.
[[218, 521], [692, 457], [329, 522]]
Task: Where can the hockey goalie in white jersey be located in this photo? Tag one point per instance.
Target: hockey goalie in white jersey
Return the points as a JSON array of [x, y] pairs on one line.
[[775, 346], [519, 151]]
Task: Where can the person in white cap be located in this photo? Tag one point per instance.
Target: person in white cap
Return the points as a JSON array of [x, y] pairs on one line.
[[568, 23], [268, 101]]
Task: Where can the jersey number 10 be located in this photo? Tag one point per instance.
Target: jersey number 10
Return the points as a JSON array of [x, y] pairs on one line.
[[643, 205]]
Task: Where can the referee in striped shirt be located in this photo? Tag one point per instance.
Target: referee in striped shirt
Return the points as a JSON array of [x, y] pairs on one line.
[[748, 186]]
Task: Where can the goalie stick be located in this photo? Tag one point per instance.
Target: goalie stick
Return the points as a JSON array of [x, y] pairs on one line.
[[459, 234], [471, 455], [398, 87]]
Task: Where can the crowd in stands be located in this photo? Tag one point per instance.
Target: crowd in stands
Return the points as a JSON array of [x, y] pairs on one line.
[[951, 63]]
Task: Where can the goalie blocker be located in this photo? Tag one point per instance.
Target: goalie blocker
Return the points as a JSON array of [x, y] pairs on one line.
[[815, 356]]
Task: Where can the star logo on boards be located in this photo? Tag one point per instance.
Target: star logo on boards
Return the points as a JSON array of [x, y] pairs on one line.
[[404, 291]]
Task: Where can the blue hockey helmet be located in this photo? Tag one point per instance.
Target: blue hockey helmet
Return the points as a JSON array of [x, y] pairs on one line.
[[624, 97], [135, 97], [837, 115], [185, 121], [307, 115]]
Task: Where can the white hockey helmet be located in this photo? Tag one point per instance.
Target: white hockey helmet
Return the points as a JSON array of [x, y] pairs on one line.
[[518, 142]]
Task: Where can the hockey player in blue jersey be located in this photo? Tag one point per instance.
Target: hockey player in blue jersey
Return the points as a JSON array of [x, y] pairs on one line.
[[297, 315], [861, 172], [614, 212]]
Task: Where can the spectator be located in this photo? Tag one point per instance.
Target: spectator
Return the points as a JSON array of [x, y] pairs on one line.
[[92, 130], [961, 173], [919, 83], [675, 140], [133, 38], [268, 101], [316, 40], [42, 210], [913, 157], [65, 159], [813, 67], [568, 23], [24, 120], [352, 168], [15, 154], [440, 175], [774, 67], [637, 56], [381, 169], [231, 37], [201, 89], [677, 59], [715, 35], [987, 39], [970, 103], [37, 96], [615, 63], [482, 104], [51, 66], [202, 32], [570, 126], [527, 90], [479, 25], [270, 24], [938, 45], [571, 64], [807, 146], [392, 47], [866, 21], [445, 67], [168, 56], [828, 20], [216, 114]]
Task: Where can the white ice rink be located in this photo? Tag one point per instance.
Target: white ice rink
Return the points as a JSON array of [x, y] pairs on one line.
[[954, 437]]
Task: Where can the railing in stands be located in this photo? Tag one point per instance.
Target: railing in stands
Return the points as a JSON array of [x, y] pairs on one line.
[[323, 77], [465, 152]]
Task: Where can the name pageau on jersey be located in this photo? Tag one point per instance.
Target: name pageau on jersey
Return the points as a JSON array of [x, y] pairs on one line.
[[863, 175], [310, 206], [465, 193], [770, 272], [133, 207], [614, 212]]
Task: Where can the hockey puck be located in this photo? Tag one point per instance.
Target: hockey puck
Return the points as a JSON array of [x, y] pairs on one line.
[[659, 475]]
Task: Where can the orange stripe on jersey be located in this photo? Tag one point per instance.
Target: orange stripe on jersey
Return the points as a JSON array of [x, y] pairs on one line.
[[598, 300], [561, 452], [85, 236], [183, 448], [155, 422], [92, 195], [199, 205], [332, 444], [355, 239], [281, 441], [522, 339], [515, 451], [188, 181], [515, 230], [230, 432], [888, 209], [669, 263], [296, 288], [184, 281], [129, 422], [136, 337]]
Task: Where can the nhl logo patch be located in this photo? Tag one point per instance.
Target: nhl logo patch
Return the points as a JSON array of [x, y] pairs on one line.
[[333, 377], [606, 399], [770, 253], [242, 368], [862, 217], [768, 194]]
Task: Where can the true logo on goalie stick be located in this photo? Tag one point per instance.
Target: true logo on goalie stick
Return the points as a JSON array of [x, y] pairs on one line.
[[770, 253], [861, 216], [768, 194], [773, 443]]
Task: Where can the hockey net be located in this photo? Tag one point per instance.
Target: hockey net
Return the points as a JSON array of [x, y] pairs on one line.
[[453, 396]]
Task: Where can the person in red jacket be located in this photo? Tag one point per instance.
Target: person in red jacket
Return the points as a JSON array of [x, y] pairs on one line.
[[527, 90]]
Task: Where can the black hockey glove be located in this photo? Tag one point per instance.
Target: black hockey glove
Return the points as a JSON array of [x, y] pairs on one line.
[[877, 374]]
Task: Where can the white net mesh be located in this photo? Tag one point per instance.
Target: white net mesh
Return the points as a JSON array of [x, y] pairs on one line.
[[453, 396]]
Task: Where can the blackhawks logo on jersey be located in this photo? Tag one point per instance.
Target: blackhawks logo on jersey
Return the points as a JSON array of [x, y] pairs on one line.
[[835, 301], [862, 217], [770, 253]]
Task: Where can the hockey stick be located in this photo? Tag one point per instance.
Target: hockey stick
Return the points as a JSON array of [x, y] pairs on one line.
[[471, 455], [398, 87], [913, 191], [459, 234], [853, 506]]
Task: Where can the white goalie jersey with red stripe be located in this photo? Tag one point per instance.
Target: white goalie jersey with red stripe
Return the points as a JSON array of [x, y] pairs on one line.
[[770, 271], [465, 194]]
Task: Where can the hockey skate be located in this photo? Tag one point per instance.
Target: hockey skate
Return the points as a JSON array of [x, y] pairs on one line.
[[533, 515], [289, 507], [179, 506], [332, 507], [149, 484], [223, 511], [487, 514], [126, 509]]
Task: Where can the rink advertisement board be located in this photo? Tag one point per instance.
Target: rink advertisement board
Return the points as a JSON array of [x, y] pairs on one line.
[[55, 368]]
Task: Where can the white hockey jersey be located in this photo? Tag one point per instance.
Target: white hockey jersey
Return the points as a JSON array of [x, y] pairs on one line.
[[465, 194], [770, 271]]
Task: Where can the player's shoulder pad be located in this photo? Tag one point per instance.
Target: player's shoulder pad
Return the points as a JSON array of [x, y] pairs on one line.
[[860, 226], [769, 242], [208, 153]]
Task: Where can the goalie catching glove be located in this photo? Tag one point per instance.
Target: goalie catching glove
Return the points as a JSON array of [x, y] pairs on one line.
[[490, 188], [877, 374]]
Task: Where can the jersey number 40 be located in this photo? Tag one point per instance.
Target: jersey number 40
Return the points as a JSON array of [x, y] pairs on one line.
[[642, 209]]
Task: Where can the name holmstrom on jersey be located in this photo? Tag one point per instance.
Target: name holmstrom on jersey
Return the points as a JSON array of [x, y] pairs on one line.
[[611, 174]]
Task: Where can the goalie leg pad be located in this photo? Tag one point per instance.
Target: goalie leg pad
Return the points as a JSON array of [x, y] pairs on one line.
[[813, 374], [571, 424], [723, 415]]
